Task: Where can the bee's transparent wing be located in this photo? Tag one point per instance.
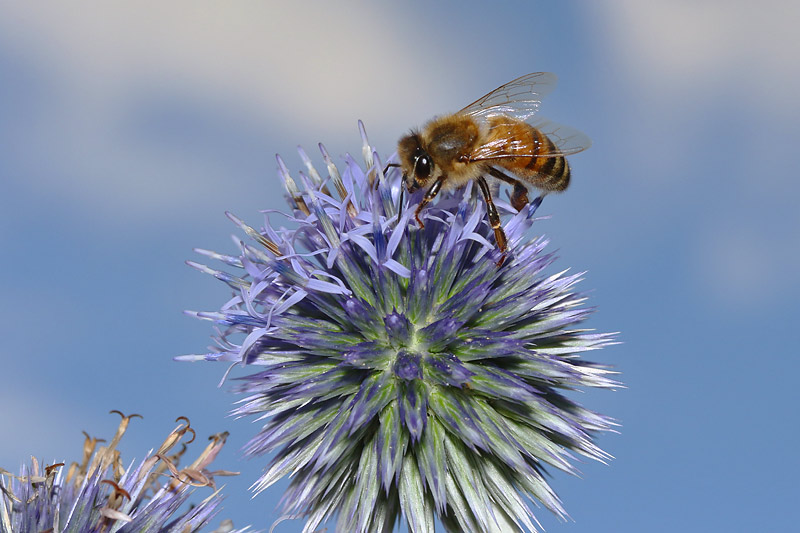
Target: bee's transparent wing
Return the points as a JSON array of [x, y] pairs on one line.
[[519, 98], [567, 141]]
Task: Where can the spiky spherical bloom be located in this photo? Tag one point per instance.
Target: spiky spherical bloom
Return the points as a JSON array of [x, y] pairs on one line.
[[99, 494], [402, 372]]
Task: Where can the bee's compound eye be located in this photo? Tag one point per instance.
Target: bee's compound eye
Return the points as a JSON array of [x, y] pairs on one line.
[[422, 167]]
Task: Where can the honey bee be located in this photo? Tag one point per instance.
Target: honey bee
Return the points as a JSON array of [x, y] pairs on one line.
[[492, 137]]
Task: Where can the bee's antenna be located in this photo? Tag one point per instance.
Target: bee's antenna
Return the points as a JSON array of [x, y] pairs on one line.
[[385, 171], [402, 187]]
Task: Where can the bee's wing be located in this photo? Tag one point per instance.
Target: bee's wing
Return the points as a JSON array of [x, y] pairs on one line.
[[567, 141], [519, 98]]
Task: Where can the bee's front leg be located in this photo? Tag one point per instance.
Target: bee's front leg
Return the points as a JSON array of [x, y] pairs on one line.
[[430, 195]]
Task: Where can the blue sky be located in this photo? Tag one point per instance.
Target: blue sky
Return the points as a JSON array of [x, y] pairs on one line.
[[127, 131]]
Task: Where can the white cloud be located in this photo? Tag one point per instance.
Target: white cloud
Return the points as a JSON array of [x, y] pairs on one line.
[[714, 86], [297, 58], [303, 67], [685, 47]]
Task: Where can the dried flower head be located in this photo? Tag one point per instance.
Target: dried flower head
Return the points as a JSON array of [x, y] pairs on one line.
[[98, 494], [402, 372]]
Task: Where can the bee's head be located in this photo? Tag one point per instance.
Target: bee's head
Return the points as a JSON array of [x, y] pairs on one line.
[[416, 164]]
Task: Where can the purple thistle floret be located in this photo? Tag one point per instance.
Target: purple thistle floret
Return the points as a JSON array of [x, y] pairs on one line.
[[98, 494], [403, 373]]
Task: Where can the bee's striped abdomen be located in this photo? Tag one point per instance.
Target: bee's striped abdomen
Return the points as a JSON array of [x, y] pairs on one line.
[[539, 163]]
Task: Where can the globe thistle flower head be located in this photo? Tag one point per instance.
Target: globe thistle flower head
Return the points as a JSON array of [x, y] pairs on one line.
[[98, 494], [402, 372]]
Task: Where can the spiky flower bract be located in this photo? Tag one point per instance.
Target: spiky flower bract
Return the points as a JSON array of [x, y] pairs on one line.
[[402, 372], [98, 494]]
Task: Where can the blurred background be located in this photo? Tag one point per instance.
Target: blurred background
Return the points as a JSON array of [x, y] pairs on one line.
[[127, 130]]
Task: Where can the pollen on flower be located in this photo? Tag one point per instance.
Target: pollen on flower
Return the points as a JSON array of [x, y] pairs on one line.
[[98, 493], [399, 372]]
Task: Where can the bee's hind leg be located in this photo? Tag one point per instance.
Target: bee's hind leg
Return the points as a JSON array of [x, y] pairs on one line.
[[494, 219], [519, 196]]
